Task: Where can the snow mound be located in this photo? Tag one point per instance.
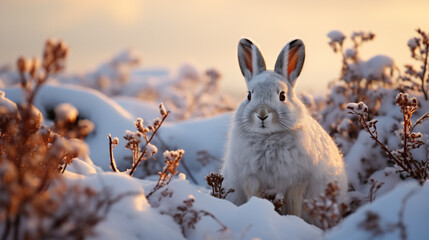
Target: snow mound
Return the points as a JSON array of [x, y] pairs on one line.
[[401, 212]]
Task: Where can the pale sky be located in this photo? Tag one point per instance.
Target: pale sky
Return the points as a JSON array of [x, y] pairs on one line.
[[167, 34]]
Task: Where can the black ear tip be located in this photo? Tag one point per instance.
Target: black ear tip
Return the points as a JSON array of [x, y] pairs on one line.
[[295, 43], [245, 42]]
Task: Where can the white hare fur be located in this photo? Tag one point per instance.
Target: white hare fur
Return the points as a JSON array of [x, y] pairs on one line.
[[276, 145]]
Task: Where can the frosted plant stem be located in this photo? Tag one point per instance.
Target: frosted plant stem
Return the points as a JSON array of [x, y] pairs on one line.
[[133, 169]]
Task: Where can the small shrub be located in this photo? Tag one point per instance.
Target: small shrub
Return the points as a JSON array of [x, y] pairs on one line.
[[276, 198], [135, 138], [325, 210], [214, 180], [172, 159], [35, 201], [369, 80], [187, 216], [419, 48], [403, 157]]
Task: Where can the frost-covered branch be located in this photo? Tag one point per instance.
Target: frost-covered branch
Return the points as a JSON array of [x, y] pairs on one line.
[[187, 216], [172, 159], [419, 48], [134, 139], [403, 158], [149, 148]]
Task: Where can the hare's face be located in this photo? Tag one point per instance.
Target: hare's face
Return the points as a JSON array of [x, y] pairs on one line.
[[271, 105]]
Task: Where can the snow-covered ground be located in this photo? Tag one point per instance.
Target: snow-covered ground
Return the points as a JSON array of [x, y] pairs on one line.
[[113, 97]]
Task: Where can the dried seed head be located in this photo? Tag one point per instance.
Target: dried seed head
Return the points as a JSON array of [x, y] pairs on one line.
[[358, 108], [115, 141], [403, 100], [22, 65], [156, 122], [34, 67], [162, 110], [139, 125]]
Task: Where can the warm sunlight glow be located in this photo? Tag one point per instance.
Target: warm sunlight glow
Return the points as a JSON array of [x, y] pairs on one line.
[[140, 202], [170, 33]]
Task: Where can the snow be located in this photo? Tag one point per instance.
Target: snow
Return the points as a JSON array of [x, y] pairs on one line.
[[138, 108], [108, 116], [256, 219], [151, 149], [376, 67], [6, 105], [116, 96], [66, 112], [350, 53], [358, 108], [405, 197], [336, 36], [136, 217], [413, 43], [132, 217]]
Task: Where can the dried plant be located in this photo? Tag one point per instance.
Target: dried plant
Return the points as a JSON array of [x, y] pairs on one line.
[[368, 80], [403, 158], [66, 222], [199, 106], [135, 138], [276, 198], [375, 186], [35, 201], [68, 124], [355, 73], [111, 78], [172, 159], [325, 210], [419, 48], [187, 216], [32, 78], [214, 180]]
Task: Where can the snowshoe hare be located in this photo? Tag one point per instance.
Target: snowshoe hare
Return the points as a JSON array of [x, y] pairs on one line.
[[274, 144]]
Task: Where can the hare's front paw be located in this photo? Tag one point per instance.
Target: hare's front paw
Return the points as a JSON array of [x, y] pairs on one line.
[[252, 187]]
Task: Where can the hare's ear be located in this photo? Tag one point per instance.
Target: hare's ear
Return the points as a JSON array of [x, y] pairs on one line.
[[250, 59], [290, 60]]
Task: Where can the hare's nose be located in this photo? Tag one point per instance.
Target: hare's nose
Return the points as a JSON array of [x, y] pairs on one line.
[[262, 114], [263, 118]]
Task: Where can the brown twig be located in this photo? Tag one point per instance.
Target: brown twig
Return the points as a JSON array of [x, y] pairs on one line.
[[172, 159], [133, 169], [187, 216], [112, 159], [375, 186], [374, 136], [402, 158], [215, 180]]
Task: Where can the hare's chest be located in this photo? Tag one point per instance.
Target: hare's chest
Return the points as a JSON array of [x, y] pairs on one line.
[[278, 156]]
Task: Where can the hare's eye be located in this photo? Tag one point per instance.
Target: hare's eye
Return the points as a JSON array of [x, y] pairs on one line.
[[282, 96], [249, 96]]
